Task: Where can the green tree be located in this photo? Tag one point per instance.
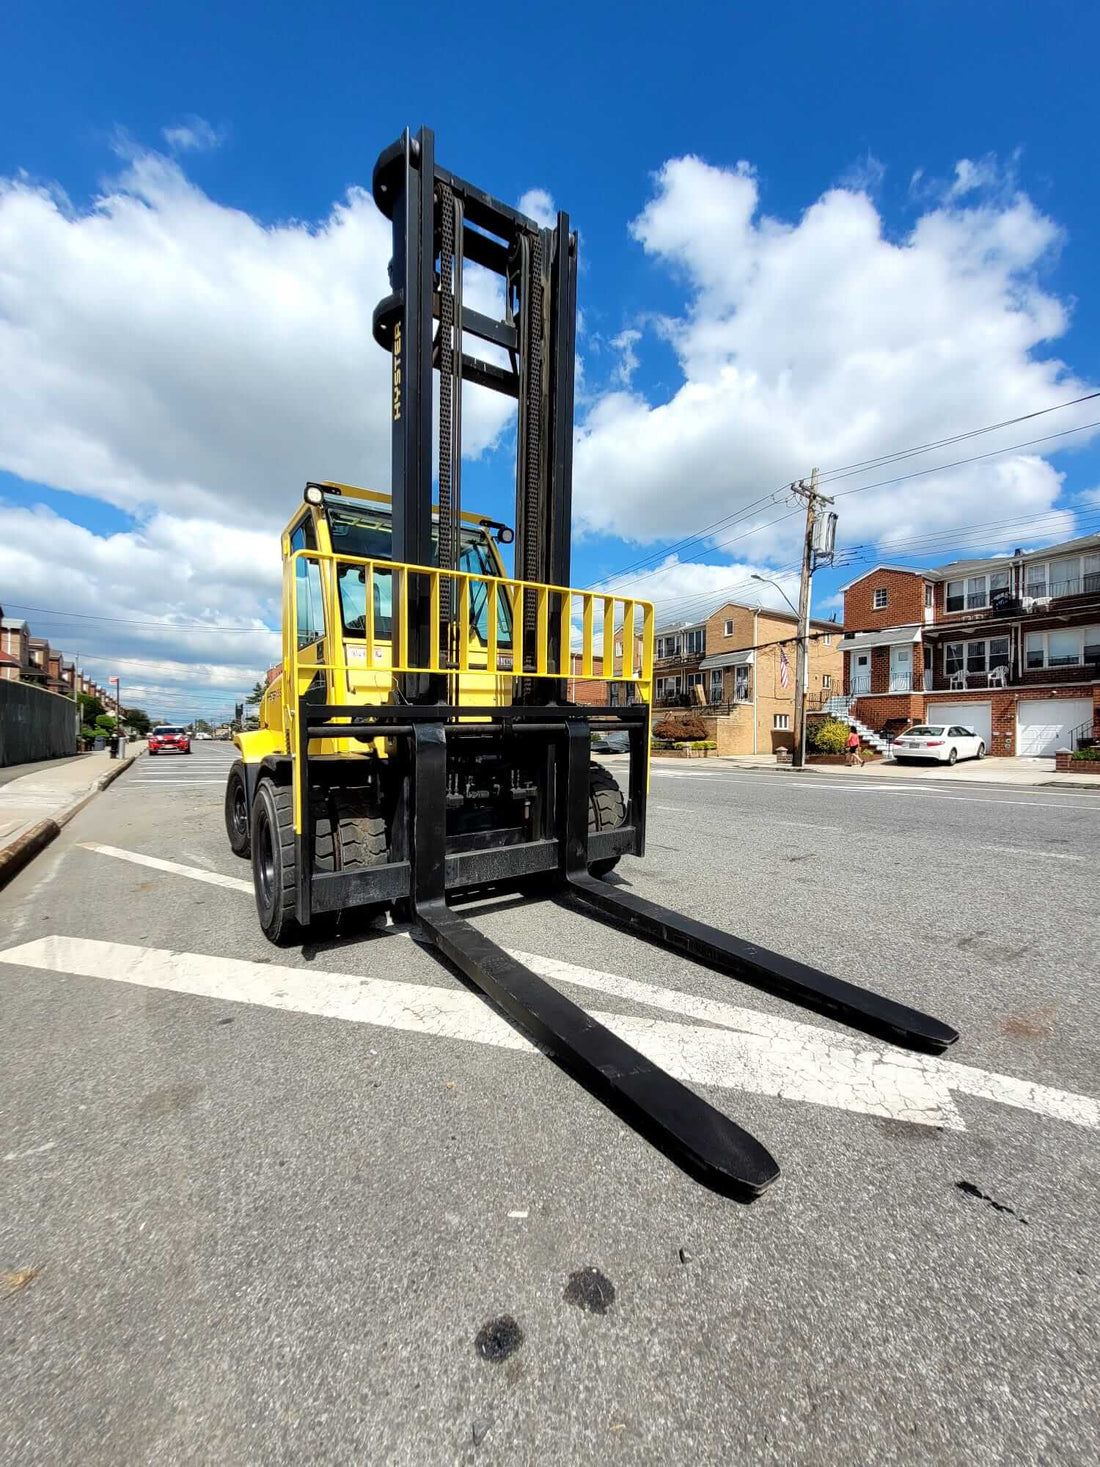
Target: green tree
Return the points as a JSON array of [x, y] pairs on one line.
[[827, 735], [201, 726], [90, 707], [138, 720], [257, 694]]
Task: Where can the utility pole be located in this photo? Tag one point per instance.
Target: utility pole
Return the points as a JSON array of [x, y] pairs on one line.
[[815, 549]]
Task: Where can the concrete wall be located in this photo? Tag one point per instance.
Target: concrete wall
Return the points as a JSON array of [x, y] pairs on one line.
[[35, 724]]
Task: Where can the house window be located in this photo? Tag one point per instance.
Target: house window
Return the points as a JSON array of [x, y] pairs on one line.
[[1066, 648], [1036, 582], [882, 598], [618, 649], [741, 684], [826, 680], [727, 629], [1063, 648], [976, 592], [1069, 575], [782, 720], [694, 680], [928, 595], [928, 657], [979, 656], [828, 639], [694, 641]]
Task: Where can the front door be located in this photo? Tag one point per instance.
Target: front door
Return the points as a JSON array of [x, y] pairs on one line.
[[861, 673], [901, 668]]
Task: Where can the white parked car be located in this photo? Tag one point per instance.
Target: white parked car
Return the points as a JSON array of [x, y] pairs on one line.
[[946, 742]]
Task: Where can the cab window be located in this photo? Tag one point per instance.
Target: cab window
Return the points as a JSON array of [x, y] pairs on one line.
[[311, 610]]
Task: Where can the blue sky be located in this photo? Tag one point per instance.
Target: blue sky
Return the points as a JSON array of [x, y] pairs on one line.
[[906, 253]]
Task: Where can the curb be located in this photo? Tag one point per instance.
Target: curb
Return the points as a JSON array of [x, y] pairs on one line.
[[23, 849]]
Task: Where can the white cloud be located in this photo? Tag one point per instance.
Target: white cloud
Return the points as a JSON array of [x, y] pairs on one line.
[[193, 136], [161, 349], [625, 344], [825, 342], [865, 175], [539, 205], [187, 608]]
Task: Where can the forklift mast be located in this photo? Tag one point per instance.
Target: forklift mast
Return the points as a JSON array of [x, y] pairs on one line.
[[439, 223]]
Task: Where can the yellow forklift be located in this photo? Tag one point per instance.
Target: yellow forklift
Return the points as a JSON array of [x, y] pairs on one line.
[[418, 740]]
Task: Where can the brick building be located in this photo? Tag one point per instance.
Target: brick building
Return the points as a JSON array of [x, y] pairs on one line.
[[593, 690], [736, 655], [1007, 645]]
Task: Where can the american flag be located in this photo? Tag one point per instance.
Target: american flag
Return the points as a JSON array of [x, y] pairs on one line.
[[784, 669]]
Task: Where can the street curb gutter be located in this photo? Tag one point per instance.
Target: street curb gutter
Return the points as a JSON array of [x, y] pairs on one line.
[[25, 847]]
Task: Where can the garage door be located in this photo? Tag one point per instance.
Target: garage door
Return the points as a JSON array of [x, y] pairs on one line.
[[971, 715], [1044, 725]]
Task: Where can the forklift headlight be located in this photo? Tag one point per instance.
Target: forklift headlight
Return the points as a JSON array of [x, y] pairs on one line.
[[505, 535], [314, 495]]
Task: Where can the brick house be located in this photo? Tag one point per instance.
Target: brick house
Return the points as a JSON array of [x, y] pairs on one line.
[[736, 655], [593, 690], [14, 637], [1007, 645]]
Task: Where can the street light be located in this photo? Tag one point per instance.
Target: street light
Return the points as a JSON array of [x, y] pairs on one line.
[[767, 580], [801, 672]]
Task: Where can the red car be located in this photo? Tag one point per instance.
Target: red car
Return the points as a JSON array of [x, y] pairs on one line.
[[164, 738]]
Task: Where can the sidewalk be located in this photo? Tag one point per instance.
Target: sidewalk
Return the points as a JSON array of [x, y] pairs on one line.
[[34, 806], [993, 770]]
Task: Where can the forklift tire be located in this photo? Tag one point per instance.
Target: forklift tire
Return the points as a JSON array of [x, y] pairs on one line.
[[606, 811], [236, 811], [350, 836], [275, 862]]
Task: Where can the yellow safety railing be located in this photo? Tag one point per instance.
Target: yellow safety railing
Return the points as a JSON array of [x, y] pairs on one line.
[[580, 652]]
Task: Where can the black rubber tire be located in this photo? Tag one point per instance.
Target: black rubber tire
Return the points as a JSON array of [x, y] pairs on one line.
[[902, 759], [981, 752], [236, 811], [274, 862], [953, 756], [606, 811], [349, 835]]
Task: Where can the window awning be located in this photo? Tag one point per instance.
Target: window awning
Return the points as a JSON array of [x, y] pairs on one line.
[[888, 637], [727, 659]]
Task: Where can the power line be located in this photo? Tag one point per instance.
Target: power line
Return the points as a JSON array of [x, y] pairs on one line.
[[973, 459], [846, 470], [164, 626]]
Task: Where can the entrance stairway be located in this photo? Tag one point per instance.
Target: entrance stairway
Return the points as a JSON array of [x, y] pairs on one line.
[[840, 706]]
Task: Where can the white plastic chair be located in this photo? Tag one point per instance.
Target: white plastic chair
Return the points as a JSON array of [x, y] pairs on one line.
[[998, 677], [957, 680]]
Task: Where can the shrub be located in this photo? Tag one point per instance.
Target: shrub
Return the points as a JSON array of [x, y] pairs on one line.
[[1093, 753], [680, 727], [704, 744], [827, 736]]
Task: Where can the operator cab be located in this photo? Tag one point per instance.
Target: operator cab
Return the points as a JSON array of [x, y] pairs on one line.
[[359, 523]]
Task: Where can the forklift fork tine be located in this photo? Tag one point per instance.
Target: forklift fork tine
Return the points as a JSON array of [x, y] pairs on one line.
[[810, 987], [704, 1142]]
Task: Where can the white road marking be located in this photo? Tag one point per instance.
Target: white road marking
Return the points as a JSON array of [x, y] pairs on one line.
[[31, 1151], [519, 1212], [1032, 855], [750, 1051], [213, 878], [890, 789], [131, 784]]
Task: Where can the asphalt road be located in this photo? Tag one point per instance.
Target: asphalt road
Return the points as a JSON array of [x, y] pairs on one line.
[[255, 1208]]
